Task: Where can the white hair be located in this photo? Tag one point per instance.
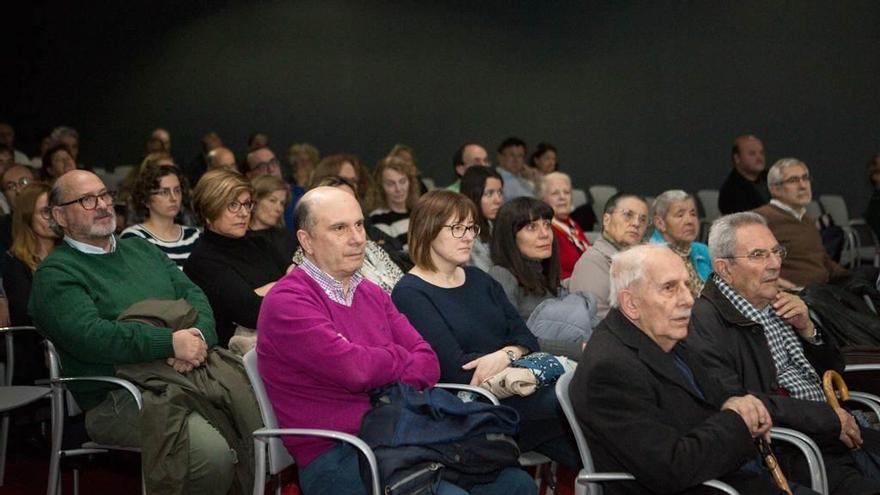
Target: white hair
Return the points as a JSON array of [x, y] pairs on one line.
[[661, 204], [777, 171], [542, 184], [628, 268], [722, 233]]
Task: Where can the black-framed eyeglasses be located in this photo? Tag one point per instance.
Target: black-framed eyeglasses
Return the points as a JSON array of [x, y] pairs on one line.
[[45, 212], [90, 201], [266, 166], [459, 229], [763, 255], [795, 180], [16, 185], [167, 192], [235, 206]]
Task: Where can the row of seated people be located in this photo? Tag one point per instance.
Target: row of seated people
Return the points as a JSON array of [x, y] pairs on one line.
[[313, 336]]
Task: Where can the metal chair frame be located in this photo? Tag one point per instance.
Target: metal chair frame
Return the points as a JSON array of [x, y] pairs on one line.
[[13, 396], [59, 392], [587, 481]]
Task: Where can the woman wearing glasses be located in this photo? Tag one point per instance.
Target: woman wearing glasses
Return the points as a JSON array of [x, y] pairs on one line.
[[158, 195], [466, 317], [33, 240], [233, 266], [483, 186]]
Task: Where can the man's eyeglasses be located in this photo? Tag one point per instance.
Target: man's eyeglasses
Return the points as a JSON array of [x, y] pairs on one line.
[[763, 255], [167, 192], [266, 166], [235, 206], [795, 180], [630, 215], [460, 229], [16, 185], [90, 201]]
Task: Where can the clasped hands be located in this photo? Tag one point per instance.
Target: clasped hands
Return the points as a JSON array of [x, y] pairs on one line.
[[190, 350]]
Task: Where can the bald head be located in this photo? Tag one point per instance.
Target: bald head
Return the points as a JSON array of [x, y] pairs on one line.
[[221, 157], [331, 231], [316, 201]]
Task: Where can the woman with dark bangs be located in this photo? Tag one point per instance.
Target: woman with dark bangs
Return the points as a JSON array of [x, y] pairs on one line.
[[483, 186]]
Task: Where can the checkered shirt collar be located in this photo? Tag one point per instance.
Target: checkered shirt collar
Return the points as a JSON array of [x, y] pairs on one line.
[[793, 371], [331, 286]]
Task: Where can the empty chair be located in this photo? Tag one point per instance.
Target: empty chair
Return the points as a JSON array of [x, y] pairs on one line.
[[709, 203], [861, 242], [599, 195], [13, 397], [578, 198]]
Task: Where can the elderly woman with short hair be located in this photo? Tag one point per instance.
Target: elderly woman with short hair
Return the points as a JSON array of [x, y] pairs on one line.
[[233, 266], [555, 190], [677, 225]]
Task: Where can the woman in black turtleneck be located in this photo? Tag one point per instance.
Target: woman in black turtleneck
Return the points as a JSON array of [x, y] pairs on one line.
[[233, 266]]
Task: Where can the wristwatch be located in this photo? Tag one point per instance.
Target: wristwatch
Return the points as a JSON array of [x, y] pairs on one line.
[[511, 355]]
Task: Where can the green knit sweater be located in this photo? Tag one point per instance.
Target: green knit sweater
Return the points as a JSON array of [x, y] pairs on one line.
[[76, 298]]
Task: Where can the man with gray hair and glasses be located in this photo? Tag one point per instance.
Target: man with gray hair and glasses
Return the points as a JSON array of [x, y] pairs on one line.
[[643, 401], [807, 262], [752, 336], [80, 291]]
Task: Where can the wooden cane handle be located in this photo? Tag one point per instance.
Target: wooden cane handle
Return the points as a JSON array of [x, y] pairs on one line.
[[830, 380]]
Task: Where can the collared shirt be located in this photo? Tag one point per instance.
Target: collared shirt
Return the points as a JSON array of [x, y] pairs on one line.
[[332, 287], [793, 371], [514, 185], [89, 248], [788, 209]]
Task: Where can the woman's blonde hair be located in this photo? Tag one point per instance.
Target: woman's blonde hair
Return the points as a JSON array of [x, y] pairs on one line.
[[377, 198], [25, 244], [216, 189]]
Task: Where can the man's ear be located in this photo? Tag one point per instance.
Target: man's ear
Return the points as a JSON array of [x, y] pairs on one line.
[[627, 304], [58, 216], [305, 241], [606, 219], [722, 268]]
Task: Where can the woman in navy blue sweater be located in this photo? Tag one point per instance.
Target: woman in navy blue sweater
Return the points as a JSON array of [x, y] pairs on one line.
[[466, 317]]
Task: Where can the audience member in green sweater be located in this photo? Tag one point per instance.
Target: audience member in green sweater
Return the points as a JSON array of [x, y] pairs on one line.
[[78, 292]]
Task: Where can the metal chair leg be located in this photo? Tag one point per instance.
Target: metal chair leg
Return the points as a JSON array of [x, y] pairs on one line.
[[4, 440]]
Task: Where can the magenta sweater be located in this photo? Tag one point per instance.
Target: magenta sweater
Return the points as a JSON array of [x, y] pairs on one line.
[[319, 358]]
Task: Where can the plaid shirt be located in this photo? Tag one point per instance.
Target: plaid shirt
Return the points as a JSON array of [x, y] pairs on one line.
[[331, 286], [793, 371]]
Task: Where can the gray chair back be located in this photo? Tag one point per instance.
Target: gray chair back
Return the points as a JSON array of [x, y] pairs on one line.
[[279, 457], [709, 201]]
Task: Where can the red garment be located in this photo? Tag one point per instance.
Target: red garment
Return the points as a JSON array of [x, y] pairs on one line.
[[569, 253]]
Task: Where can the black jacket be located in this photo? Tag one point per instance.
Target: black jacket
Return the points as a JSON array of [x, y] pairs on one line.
[[735, 350], [640, 415], [740, 194]]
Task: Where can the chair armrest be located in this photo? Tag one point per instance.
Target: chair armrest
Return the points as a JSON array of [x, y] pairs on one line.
[[601, 477], [470, 388], [862, 367], [16, 329], [127, 385], [812, 454], [871, 401], [336, 435]]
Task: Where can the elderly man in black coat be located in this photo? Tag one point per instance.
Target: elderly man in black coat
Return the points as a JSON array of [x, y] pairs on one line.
[[643, 404], [750, 335]]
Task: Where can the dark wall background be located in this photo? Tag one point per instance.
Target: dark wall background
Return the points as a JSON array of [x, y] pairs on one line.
[[645, 95]]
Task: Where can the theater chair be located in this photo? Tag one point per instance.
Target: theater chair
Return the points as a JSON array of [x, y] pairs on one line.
[[272, 457], [62, 405], [588, 481]]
